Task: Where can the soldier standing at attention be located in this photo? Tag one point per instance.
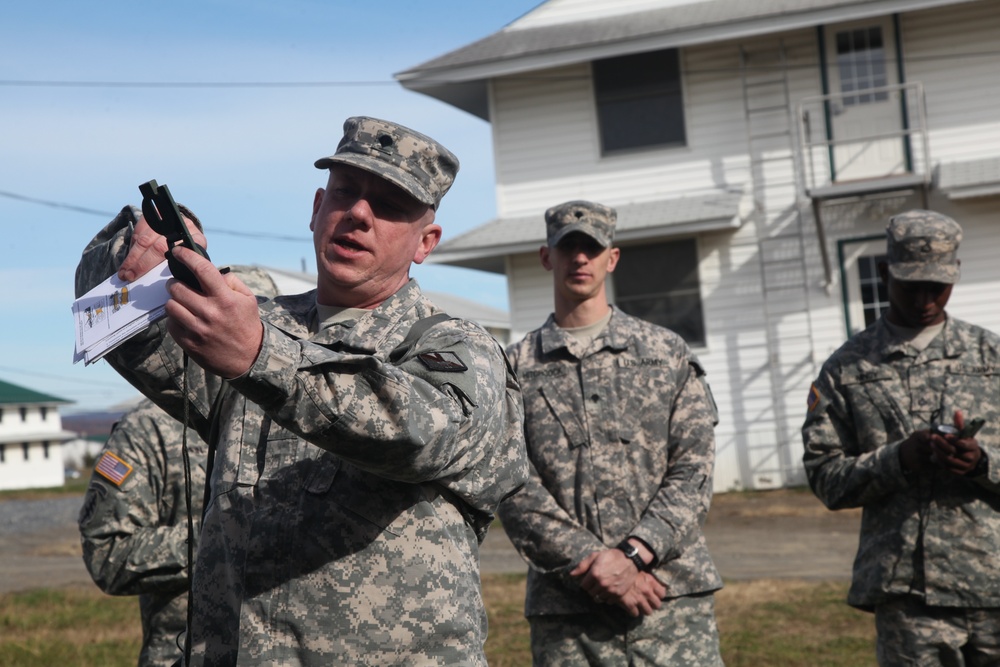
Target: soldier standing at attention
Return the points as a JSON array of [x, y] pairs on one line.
[[619, 426], [363, 438], [929, 553]]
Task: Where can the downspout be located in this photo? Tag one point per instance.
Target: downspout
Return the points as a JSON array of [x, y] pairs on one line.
[[817, 204]]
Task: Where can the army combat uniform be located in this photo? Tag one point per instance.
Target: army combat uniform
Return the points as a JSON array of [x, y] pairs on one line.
[[133, 523], [350, 490], [621, 440], [935, 535]]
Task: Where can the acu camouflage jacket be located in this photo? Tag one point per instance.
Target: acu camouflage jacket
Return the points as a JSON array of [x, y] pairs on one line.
[[349, 493], [621, 441], [936, 534], [134, 524]]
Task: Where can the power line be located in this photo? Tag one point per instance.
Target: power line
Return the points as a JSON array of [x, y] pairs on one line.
[[109, 214], [191, 84]]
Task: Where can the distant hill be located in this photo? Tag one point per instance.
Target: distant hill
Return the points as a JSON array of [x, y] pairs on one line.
[[92, 423]]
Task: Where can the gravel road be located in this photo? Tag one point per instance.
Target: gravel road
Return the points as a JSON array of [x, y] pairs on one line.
[[777, 534]]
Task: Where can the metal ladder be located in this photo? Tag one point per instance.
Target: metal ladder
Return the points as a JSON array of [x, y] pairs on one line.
[[778, 190]]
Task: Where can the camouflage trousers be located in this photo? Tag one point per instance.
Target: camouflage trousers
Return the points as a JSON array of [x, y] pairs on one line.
[[913, 634], [682, 633]]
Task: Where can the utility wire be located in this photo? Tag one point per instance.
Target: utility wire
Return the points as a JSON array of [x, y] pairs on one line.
[[109, 214]]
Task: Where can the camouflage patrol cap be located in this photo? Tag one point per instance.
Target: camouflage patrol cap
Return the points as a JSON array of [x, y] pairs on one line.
[[257, 279], [595, 220], [923, 246], [416, 163]]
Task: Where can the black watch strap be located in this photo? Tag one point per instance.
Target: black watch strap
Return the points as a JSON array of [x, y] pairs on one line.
[[632, 552]]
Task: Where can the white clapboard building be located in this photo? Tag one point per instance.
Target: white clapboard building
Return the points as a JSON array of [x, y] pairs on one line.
[[754, 150], [31, 438]]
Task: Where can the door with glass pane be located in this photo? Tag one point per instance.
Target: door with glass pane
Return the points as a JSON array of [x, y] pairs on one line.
[[866, 117]]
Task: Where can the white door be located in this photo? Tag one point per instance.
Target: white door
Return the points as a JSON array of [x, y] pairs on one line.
[[866, 296], [865, 113]]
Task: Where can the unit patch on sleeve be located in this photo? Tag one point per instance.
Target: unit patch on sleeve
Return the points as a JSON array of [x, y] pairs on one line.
[[113, 468], [447, 362], [814, 397]]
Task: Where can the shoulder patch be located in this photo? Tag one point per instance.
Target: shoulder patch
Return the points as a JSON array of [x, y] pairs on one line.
[[814, 397], [112, 468], [445, 362]]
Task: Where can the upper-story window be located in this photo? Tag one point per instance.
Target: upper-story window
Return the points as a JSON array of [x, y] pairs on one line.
[[659, 283], [639, 101], [861, 64], [45, 412], [26, 447], [24, 414]]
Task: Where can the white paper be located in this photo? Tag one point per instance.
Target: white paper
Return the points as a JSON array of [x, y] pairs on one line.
[[116, 310]]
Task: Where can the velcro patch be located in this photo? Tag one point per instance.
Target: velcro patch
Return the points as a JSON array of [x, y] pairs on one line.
[[112, 468], [814, 397], [447, 362]]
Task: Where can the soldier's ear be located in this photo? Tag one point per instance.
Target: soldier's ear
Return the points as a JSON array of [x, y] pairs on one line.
[[543, 254]]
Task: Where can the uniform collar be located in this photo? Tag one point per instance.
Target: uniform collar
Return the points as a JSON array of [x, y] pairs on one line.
[[615, 335], [950, 340], [366, 334]]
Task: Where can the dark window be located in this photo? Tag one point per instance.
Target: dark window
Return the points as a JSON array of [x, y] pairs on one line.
[[45, 412], [639, 101], [3, 453], [861, 61], [874, 296], [24, 414], [45, 449], [658, 282], [26, 447]]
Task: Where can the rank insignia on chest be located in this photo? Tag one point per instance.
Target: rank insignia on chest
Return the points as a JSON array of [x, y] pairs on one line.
[[447, 362], [814, 397], [113, 468]]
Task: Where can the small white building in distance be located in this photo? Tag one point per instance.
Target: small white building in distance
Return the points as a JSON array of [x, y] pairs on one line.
[[31, 438]]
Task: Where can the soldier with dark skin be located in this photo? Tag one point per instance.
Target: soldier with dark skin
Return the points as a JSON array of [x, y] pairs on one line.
[[364, 439], [886, 431], [619, 429]]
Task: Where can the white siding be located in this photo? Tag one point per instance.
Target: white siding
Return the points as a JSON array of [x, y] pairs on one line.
[[953, 52], [547, 151]]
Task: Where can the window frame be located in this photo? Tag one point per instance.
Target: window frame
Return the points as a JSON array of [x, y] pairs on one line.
[[665, 294], [602, 97]]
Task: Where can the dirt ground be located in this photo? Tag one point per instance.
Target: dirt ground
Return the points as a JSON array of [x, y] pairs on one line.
[[783, 534]]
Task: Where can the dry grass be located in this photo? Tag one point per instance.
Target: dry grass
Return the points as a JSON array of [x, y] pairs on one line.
[[763, 623], [793, 502]]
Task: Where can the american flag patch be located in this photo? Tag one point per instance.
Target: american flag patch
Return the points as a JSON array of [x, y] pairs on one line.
[[112, 468]]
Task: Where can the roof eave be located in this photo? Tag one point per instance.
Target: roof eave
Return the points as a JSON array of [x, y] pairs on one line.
[[492, 258], [436, 81]]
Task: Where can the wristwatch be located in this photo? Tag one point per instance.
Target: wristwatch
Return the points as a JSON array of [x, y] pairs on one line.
[[632, 552]]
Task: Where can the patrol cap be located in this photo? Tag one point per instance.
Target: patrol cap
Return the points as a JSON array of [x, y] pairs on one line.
[[923, 246], [260, 282], [595, 220], [422, 167]]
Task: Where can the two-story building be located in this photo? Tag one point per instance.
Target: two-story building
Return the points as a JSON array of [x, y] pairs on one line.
[[31, 438], [754, 151]]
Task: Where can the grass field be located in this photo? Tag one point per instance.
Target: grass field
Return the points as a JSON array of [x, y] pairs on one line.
[[762, 623]]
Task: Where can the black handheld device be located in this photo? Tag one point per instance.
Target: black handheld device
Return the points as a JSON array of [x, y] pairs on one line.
[[162, 214]]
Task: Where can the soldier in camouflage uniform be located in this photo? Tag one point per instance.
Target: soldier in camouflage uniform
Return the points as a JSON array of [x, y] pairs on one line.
[[619, 425], [929, 551], [134, 518], [133, 524], [362, 448]]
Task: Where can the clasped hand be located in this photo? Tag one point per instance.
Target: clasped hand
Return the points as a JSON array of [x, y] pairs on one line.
[[609, 577], [220, 327]]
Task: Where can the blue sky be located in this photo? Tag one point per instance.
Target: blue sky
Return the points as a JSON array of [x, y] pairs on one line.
[[240, 157]]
